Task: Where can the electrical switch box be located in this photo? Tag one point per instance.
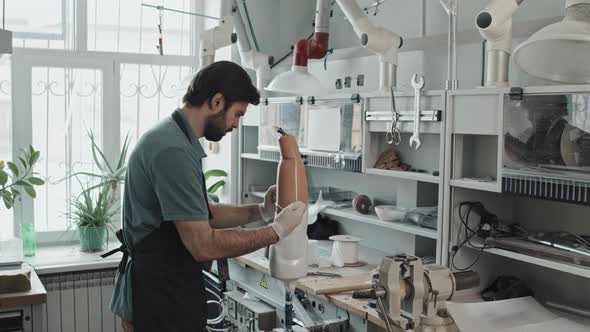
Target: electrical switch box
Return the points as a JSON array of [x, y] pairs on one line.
[[249, 314]]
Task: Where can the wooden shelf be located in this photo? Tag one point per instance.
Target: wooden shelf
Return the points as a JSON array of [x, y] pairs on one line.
[[475, 184], [415, 176], [350, 214], [550, 264]]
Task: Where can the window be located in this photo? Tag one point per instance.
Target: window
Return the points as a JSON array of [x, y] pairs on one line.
[[127, 26], [66, 105], [148, 93], [109, 82], [41, 24], [6, 227]]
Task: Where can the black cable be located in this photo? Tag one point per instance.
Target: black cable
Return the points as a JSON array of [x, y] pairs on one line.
[[465, 223], [288, 54]]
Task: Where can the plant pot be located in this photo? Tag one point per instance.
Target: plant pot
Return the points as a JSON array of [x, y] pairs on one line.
[[92, 238]]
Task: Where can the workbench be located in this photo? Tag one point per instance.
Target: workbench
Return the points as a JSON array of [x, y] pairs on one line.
[[335, 290], [25, 305]]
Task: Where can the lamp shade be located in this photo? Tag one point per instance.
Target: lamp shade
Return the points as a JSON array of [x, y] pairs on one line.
[[559, 52], [297, 81]]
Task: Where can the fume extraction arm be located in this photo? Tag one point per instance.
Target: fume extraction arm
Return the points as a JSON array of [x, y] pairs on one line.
[[220, 36], [495, 26], [384, 43], [558, 52], [250, 57], [298, 80]]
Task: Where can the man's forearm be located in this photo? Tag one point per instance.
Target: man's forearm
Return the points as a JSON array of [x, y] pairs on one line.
[[233, 243], [230, 216]]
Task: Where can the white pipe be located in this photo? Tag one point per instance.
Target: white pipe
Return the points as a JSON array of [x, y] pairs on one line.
[[387, 76], [252, 59], [495, 26], [383, 42], [215, 38], [451, 7]]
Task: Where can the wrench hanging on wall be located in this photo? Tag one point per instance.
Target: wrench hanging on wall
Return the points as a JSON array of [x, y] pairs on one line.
[[417, 84]]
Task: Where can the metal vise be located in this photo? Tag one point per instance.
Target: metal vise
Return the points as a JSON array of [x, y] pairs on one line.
[[411, 296]]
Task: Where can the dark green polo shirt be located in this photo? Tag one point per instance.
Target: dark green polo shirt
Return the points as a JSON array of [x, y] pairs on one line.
[[164, 183]]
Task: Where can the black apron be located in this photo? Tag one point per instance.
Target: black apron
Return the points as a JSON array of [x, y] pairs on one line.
[[167, 283]]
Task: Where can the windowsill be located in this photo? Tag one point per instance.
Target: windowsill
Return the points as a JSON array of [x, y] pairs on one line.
[[69, 258]]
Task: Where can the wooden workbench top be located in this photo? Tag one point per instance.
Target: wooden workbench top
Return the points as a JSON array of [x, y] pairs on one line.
[[337, 290], [37, 295]]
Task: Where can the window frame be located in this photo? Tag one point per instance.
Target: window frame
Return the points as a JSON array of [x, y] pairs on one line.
[[110, 63], [48, 36]]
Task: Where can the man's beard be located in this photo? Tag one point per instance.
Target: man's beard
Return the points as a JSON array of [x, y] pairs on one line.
[[215, 127]]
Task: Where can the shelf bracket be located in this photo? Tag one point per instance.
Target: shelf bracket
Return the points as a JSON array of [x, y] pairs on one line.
[[516, 93]]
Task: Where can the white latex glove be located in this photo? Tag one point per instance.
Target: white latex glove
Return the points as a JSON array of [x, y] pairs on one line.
[[289, 219], [267, 208]]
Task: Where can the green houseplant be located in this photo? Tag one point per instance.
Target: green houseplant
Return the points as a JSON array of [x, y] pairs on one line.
[[22, 178], [112, 175], [93, 212], [211, 191], [16, 179]]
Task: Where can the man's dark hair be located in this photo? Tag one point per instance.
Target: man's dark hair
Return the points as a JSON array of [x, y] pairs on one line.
[[223, 77]]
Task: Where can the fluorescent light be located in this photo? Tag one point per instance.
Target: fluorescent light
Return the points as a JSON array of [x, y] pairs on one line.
[[560, 51], [297, 81]]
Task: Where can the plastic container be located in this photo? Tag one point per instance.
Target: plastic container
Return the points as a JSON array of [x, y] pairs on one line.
[[92, 238], [426, 217], [390, 212], [29, 238]]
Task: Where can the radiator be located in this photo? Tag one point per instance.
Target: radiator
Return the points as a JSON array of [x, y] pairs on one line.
[[79, 302]]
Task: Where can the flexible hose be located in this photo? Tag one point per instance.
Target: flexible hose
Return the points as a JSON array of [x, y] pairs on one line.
[[222, 314]]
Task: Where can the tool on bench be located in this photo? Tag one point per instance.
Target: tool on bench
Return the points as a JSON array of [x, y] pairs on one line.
[[411, 295], [362, 294], [417, 84], [324, 274]]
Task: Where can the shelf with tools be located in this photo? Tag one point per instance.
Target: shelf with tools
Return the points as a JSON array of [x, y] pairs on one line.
[[517, 156], [539, 261], [335, 159], [477, 184], [393, 151], [408, 175], [372, 219], [407, 156], [350, 214]]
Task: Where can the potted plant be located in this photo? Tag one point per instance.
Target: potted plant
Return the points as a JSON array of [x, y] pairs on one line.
[[92, 212], [211, 191], [109, 174]]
